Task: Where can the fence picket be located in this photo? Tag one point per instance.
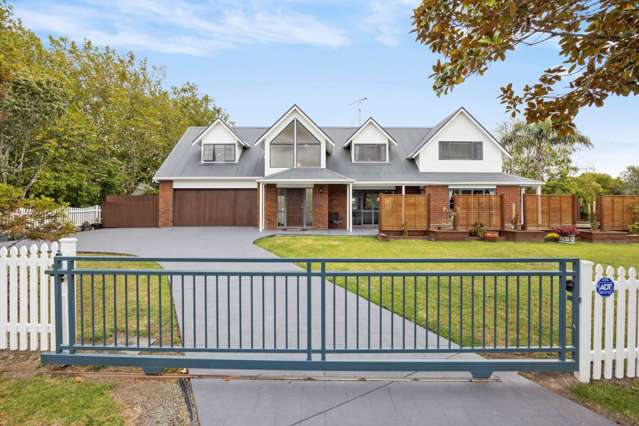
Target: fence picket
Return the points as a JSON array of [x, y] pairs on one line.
[[44, 322], [620, 341], [597, 334], [13, 298], [33, 296], [632, 322], [608, 329], [3, 297]]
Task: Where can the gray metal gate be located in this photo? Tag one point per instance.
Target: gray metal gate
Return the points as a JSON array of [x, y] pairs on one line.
[[318, 314]]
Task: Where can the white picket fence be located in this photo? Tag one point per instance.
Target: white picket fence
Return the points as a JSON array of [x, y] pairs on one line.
[[27, 310], [608, 325], [80, 215]]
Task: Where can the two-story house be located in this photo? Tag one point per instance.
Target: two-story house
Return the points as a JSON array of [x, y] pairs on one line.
[[297, 174]]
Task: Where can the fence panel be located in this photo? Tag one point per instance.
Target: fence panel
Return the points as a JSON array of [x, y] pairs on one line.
[[397, 210], [608, 325], [615, 212], [81, 215], [130, 211], [548, 211], [26, 320], [471, 209]]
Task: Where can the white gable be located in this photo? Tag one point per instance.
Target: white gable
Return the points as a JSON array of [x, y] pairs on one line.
[[463, 128], [219, 133], [372, 133]]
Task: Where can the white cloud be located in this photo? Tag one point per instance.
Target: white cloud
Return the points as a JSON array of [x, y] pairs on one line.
[[389, 20], [181, 26]]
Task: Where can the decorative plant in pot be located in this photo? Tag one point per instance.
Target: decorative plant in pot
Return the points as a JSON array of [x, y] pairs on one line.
[[477, 230], [567, 233]]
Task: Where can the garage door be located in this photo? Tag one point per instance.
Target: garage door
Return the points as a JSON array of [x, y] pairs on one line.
[[215, 207]]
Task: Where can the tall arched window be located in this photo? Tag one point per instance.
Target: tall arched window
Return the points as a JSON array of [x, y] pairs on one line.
[[295, 146]]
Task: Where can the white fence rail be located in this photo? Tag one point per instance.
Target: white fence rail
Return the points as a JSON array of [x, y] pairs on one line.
[[608, 343], [26, 296], [81, 215]]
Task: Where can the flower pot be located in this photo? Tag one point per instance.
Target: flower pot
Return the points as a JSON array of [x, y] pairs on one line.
[[567, 239]]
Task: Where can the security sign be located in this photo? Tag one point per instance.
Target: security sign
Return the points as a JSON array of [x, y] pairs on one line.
[[605, 286]]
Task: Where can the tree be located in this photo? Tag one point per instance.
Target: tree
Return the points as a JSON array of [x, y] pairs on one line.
[[630, 179], [598, 40], [106, 126], [538, 151], [29, 108], [33, 218]]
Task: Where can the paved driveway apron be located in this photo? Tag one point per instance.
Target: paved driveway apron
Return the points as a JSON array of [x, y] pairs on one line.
[[510, 400]]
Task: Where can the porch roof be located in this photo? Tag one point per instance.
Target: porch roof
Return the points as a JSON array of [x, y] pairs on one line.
[[306, 175]]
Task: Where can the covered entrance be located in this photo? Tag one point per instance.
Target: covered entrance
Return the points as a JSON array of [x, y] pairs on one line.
[[294, 207]]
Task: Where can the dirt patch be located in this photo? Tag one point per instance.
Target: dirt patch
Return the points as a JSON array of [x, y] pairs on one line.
[[146, 401]]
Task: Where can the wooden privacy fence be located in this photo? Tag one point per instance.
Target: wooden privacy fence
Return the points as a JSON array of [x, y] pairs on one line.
[[130, 211], [542, 212], [471, 209], [615, 212], [398, 212]]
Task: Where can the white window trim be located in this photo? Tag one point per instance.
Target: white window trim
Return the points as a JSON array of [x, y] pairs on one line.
[[234, 145], [370, 162], [439, 151]]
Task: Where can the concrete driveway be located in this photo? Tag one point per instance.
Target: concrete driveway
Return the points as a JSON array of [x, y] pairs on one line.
[[451, 399]]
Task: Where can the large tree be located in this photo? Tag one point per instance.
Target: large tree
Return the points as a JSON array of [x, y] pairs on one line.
[[630, 179], [85, 121], [599, 41], [539, 151]]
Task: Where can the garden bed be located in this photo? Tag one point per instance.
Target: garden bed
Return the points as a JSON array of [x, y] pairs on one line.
[[523, 236], [608, 237]]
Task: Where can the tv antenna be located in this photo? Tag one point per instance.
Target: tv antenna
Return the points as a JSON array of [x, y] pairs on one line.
[[359, 103]]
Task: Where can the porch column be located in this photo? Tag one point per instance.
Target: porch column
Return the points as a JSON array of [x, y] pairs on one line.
[[260, 222], [538, 191], [349, 207]]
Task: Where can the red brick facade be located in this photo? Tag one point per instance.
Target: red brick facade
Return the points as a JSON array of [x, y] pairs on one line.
[[270, 207], [511, 196], [166, 204], [438, 200], [320, 207], [337, 199]]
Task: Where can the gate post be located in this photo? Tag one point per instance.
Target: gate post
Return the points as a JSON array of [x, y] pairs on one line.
[[585, 320], [309, 317], [68, 247]]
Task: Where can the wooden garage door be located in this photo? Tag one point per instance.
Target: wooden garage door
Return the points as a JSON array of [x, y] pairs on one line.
[[215, 207]]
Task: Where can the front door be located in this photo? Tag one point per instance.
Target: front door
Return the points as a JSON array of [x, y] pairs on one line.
[[295, 207]]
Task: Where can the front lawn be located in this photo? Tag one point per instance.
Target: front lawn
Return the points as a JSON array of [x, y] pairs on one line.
[[43, 400], [471, 311], [137, 307]]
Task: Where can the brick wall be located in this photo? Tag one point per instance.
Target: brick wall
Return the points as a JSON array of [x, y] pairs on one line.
[[511, 195], [270, 207], [337, 203], [320, 207], [166, 204], [438, 199]]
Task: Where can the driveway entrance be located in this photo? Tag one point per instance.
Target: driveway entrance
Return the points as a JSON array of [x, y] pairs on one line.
[[452, 399]]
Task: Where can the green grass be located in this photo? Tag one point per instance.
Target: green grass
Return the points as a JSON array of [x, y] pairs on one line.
[[488, 324], [619, 397], [136, 308], [41, 400]]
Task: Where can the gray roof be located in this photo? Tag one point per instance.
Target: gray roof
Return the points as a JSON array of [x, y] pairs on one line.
[[306, 173], [184, 161]]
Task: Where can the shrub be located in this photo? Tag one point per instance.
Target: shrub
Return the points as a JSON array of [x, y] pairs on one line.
[[551, 237], [566, 230], [477, 230]]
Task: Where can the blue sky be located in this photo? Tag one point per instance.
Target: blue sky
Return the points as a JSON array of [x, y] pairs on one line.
[[256, 58]]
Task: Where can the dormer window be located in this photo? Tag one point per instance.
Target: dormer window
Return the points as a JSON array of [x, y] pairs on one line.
[[218, 153], [295, 146], [370, 153], [460, 150]]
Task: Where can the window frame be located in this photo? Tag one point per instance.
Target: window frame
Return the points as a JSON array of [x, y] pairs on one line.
[[295, 165], [213, 145], [472, 143], [357, 145]]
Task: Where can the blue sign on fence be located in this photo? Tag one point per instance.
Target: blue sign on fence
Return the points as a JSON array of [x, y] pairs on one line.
[[605, 286]]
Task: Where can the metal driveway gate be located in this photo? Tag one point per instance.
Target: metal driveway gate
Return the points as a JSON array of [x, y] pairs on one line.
[[317, 314]]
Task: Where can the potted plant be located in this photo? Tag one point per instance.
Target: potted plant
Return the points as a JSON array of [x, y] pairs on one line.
[[478, 230], [567, 234]]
